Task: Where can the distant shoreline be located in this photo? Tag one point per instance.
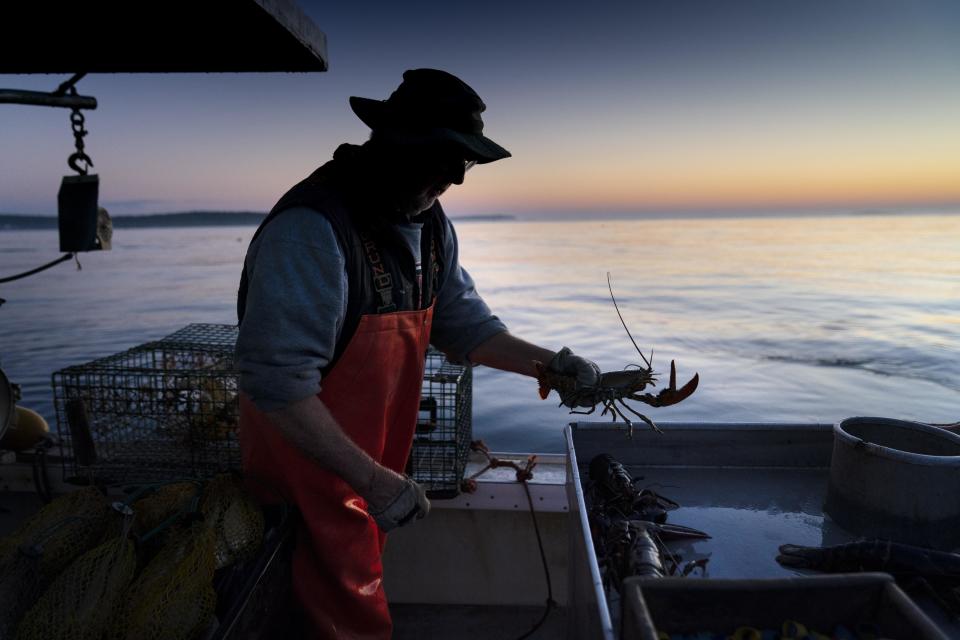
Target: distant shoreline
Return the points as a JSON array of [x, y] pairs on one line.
[[24, 222], [21, 222]]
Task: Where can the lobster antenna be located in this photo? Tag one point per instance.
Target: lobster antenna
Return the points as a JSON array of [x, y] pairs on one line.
[[610, 286]]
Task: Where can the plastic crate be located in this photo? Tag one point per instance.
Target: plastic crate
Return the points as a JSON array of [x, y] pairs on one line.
[[819, 602], [441, 443]]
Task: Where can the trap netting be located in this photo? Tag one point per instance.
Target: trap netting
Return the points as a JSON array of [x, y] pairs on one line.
[[36, 553], [166, 502], [61, 531], [82, 602], [173, 597], [84, 567], [236, 520]]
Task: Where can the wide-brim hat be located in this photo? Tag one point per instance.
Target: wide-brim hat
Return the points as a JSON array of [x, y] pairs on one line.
[[432, 106]]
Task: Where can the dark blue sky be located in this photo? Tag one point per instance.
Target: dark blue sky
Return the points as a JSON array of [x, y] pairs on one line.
[[605, 105]]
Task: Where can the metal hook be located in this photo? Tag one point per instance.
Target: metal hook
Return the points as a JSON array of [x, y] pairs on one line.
[[78, 157]]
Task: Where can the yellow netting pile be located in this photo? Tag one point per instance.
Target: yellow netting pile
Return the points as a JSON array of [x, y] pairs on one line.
[[173, 597], [161, 505], [94, 592], [62, 530], [235, 518], [43, 546], [83, 600]]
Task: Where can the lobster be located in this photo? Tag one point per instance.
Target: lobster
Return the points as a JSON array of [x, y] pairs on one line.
[[873, 555], [613, 491], [629, 527], [616, 386], [636, 548], [937, 573]]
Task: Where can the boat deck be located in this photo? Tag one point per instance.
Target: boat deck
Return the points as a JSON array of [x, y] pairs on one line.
[[469, 622], [472, 569]]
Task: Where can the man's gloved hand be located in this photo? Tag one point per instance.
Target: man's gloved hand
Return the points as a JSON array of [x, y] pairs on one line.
[[586, 373], [409, 504]]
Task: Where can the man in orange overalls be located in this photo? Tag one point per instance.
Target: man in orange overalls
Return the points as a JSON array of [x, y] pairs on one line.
[[339, 299]]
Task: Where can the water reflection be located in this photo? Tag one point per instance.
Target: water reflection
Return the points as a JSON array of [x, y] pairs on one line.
[[785, 319]]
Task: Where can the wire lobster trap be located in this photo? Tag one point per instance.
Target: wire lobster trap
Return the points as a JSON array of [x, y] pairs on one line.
[[441, 442], [169, 409], [162, 410]]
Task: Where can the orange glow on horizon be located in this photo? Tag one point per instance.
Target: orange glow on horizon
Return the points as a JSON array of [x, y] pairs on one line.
[[744, 180]]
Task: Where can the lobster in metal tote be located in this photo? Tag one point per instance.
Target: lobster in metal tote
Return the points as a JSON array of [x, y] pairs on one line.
[[613, 494], [936, 573], [629, 529], [614, 387]]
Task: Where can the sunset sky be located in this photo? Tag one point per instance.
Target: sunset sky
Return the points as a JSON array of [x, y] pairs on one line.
[[606, 106]]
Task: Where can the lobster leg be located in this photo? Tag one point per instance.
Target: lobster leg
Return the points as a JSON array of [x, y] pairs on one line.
[[617, 412], [583, 413], [641, 416], [609, 408]]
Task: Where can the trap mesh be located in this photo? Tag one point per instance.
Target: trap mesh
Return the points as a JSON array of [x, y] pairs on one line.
[[169, 410], [82, 601], [173, 597], [160, 411], [441, 441]]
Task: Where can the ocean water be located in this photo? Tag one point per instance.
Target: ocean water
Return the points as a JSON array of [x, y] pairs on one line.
[[785, 319]]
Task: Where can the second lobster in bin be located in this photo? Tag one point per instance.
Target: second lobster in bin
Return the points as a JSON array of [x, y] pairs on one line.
[[629, 526]]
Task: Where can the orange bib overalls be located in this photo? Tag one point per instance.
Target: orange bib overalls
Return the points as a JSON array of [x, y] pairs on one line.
[[373, 391]]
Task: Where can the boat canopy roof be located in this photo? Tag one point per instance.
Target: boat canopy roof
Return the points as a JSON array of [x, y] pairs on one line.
[[170, 36]]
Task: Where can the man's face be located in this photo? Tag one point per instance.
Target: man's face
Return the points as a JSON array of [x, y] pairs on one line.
[[427, 172]]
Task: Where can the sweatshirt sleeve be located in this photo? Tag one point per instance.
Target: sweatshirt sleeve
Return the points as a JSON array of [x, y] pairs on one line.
[[462, 320], [295, 307]]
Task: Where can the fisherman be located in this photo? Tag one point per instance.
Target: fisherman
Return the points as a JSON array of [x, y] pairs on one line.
[[339, 298]]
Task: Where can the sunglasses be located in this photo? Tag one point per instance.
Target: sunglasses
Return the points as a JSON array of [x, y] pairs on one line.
[[454, 166], [446, 161]]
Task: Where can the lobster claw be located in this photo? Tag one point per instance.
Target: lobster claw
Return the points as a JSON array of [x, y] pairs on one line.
[[670, 395]]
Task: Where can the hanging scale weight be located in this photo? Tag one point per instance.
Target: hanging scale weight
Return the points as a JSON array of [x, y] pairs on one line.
[[83, 225]]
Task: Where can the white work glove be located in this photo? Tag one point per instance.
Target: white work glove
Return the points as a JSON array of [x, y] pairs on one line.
[[409, 504], [587, 375]]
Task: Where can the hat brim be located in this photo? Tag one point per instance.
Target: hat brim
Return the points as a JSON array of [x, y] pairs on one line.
[[477, 147]]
